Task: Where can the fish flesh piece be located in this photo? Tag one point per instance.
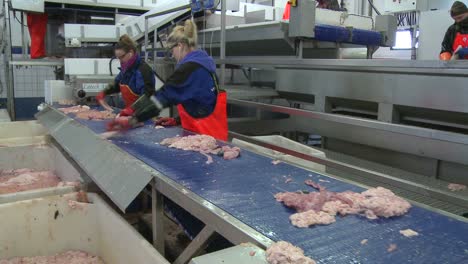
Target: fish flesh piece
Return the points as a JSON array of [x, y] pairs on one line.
[[409, 233], [95, 115], [12, 181], [454, 187], [75, 109], [283, 252], [203, 144], [373, 203]]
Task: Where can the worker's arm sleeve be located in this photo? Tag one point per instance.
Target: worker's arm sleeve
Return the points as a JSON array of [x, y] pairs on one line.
[[146, 82], [114, 87], [146, 107], [447, 43], [187, 82]]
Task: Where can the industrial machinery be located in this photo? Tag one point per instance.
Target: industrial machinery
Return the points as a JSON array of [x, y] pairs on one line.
[[86, 77], [235, 198], [396, 124], [310, 32], [401, 118]]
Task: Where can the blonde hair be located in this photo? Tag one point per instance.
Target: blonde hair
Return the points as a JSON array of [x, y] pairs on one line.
[[184, 34], [126, 43]]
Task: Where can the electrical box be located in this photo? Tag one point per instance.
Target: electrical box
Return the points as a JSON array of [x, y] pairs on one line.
[[302, 19], [233, 5], [392, 6], [28, 5], [387, 25]]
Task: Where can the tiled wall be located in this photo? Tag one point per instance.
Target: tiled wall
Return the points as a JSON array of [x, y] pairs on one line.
[[29, 81], [28, 88]]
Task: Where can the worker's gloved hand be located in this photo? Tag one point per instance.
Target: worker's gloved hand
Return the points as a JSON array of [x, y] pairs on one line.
[[166, 121], [121, 123], [445, 56], [126, 112], [100, 96], [462, 52]]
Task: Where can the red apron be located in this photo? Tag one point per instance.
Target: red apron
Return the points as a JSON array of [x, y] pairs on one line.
[[37, 26], [214, 125], [460, 40], [287, 11], [128, 96]]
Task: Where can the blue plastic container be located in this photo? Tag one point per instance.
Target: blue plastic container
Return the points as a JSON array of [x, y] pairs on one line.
[[199, 5]]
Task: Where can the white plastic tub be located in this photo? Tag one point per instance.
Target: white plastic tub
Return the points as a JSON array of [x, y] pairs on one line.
[[21, 133], [49, 225], [24, 145], [4, 116]]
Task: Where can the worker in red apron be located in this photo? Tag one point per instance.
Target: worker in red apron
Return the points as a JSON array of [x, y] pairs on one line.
[[135, 79], [325, 4], [455, 43], [193, 87]]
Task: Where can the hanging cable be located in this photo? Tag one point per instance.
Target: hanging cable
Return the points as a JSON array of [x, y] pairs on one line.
[[10, 7], [110, 64], [14, 15], [373, 7]]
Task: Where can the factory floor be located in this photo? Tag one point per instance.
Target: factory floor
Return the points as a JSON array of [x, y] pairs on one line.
[[175, 238]]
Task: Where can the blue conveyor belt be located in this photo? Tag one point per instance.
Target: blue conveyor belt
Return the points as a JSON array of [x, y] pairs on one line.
[[244, 188], [347, 35], [331, 33]]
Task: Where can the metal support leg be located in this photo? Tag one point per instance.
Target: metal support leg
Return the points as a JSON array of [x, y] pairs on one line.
[[322, 104], [196, 246], [155, 53], [369, 52], [157, 208], [388, 113], [7, 57], [222, 54], [24, 44], [300, 49], [146, 39]]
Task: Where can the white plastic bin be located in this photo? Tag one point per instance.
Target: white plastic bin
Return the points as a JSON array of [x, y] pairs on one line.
[[24, 145], [4, 116], [21, 133], [49, 225]]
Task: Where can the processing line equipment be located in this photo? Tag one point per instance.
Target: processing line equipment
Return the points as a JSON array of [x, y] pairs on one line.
[[401, 118], [51, 220], [235, 198], [360, 107], [390, 117]]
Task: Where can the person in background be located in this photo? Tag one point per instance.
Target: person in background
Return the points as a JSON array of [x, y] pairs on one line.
[[325, 4], [193, 87], [455, 43], [329, 4], [136, 78]]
